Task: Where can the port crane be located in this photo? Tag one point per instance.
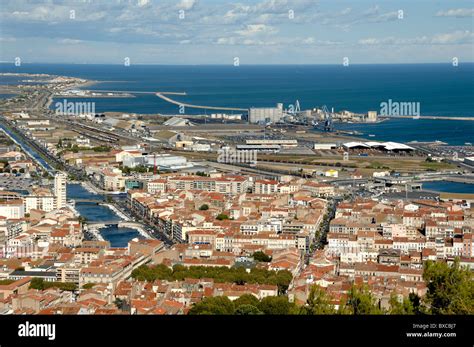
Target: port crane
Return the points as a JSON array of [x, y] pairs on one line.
[[327, 120]]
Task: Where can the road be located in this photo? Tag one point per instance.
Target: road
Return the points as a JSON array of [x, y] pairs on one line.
[[450, 161]]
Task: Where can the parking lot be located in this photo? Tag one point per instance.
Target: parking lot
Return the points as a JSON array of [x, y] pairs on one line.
[[11, 182]]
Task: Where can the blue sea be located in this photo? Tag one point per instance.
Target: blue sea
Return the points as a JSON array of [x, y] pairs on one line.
[[441, 90], [449, 187]]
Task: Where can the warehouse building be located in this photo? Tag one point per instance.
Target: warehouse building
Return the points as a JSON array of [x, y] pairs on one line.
[[266, 114], [265, 142]]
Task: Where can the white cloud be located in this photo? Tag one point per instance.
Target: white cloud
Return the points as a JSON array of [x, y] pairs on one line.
[[226, 41], [142, 3], [266, 12], [119, 24], [308, 41], [346, 11], [456, 37], [459, 12], [256, 29], [70, 41], [186, 4], [373, 15], [7, 39], [276, 41], [55, 13]]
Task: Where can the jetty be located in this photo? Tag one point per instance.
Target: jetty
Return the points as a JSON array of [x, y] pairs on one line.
[[430, 117], [162, 96]]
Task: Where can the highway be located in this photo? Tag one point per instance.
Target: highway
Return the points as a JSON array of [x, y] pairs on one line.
[[450, 161]]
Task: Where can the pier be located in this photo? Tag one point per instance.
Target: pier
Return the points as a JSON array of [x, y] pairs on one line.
[[162, 96], [430, 117]]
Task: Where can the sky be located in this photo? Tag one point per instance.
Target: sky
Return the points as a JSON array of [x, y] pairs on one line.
[[219, 31]]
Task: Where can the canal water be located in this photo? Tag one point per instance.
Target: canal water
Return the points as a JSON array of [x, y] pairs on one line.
[[118, 237], [27, 148], [449, 187]]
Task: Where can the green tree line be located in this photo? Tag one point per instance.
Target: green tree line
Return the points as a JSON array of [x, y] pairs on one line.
[[222, 274], [40, 284], [450, 290]]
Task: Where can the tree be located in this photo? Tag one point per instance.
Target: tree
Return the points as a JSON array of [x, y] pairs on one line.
[[88, 285], [276, 305], [204, 207], [318, 302], [404, 306], [222, 274], [247, 310], [6, 282], [118, 302], [408, 305], [283, 280], [37, 283], [219, 305], [222, 216], [360, 301], [261, 256], [40, 284], [415, 300], [450, 288], [246, 299]]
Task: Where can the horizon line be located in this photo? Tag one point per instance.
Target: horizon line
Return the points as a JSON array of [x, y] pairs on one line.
[[212, 64]]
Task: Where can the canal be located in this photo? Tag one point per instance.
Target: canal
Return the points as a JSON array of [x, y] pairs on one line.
[[118, 237], [27, 149]]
